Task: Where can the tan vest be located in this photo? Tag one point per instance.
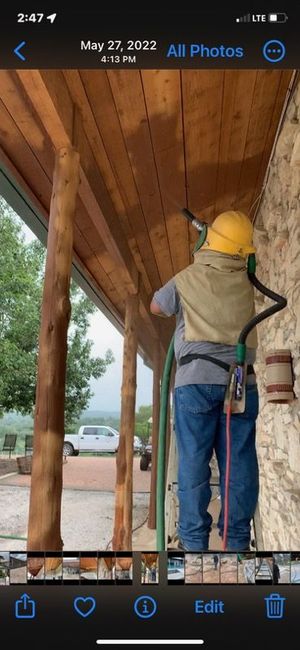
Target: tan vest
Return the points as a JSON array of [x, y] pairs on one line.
[[217, 299]]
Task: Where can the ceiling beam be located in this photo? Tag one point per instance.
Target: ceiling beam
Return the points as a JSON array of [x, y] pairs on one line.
[[50, 97]]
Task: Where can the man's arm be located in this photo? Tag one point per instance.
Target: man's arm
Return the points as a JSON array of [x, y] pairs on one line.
[[165, 301], [156, 310]]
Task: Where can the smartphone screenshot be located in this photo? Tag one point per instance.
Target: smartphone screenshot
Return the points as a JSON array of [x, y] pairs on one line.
[[149, 327]]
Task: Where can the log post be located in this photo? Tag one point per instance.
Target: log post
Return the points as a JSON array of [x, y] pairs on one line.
[[122, 538], [155, 428], [46, 480]]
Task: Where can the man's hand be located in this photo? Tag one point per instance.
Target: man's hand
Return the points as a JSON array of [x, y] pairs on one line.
[[156, 310]]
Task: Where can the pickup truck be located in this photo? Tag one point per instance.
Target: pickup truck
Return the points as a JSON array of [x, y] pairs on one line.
[[94, 438]]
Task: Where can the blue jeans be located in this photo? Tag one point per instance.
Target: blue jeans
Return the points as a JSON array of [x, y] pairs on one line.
[[200, 426]]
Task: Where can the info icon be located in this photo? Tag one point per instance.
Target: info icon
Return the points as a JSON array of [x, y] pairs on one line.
[[145, 607]]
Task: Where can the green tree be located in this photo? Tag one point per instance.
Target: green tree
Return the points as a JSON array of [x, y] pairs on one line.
[[81, 366], [142, 425], [21, 283], [143, 414]]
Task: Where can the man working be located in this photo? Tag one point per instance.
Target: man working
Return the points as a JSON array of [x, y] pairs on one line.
[[213, 299]]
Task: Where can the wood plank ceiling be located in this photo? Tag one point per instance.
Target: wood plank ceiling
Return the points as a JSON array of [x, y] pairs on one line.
[[150, 143]]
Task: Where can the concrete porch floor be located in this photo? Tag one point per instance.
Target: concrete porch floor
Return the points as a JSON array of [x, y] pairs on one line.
[[144, 539]]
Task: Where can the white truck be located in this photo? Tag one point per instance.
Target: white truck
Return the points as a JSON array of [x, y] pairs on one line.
[[97, 438]]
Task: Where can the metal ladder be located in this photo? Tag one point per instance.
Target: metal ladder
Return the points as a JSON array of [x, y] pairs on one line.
[[171, 500]]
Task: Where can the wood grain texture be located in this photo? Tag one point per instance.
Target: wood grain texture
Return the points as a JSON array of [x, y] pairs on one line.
[[93, 134], [285, 79], [122, 538], [202, 107], [49, 430], [162, 91], [51, 99], [130, 102], [264, 97], [236, 110], [96, 85], [150, 142]]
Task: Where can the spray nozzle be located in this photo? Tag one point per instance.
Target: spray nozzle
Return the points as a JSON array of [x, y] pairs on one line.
[[199, 225]]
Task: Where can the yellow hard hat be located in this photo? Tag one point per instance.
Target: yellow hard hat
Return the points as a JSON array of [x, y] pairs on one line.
[[231, 233]]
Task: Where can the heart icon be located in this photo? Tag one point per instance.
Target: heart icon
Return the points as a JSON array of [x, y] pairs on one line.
[[84, 606]]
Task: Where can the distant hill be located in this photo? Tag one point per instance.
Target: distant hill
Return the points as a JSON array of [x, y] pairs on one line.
[[26, 420], [16, 418], [100, 414]]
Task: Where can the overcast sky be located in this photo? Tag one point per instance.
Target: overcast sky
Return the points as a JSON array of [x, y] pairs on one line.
[[107, 390]]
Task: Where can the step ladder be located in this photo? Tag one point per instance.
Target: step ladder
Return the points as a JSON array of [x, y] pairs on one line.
[[172, 506], [171, 500]]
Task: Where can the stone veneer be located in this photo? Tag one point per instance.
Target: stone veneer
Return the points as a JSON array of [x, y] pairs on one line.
[[277, 237]]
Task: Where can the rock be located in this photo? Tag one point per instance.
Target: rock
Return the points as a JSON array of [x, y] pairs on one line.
[[277, 238], [287, 140], [295, 157], [279, 468]]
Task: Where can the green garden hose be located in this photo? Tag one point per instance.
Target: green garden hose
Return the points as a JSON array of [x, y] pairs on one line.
[[161, 454], [23, 539]]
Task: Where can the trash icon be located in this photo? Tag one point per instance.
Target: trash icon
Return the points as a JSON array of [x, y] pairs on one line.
[[275, 606]]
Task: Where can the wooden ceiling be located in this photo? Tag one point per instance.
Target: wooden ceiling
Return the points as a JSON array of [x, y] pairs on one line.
[[150, 143]]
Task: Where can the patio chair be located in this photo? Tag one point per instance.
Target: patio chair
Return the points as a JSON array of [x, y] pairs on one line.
[[28, 444], [9, 443]]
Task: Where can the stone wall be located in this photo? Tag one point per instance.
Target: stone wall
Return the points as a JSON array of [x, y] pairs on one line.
[[277, 237]]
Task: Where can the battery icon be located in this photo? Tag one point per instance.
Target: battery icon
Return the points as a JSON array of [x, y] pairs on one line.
[[277, 18]]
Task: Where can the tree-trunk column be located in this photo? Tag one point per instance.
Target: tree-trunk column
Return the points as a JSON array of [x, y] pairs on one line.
[[155, 428], [46, 480], [122, 539]]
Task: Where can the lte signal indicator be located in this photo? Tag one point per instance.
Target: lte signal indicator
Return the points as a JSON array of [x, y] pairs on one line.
[[263, 18], [244, 19]]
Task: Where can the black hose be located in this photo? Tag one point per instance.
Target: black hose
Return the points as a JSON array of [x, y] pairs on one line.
[[281, 303], [201, 226], [189, 215]]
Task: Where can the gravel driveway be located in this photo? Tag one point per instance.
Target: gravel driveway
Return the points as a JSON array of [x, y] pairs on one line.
[[87, 505], [87, 517]]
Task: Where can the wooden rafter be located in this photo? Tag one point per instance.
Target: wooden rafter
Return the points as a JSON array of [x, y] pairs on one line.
[[50, 97]]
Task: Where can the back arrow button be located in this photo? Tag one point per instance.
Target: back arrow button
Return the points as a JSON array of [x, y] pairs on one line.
[[17, 50]]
